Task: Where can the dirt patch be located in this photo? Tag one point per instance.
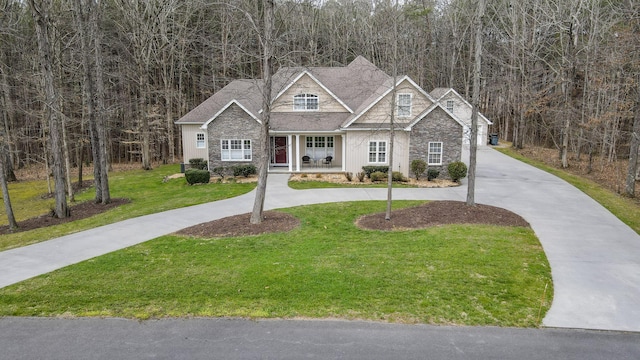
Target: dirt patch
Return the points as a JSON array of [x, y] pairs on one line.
[[239, 225], [441, 213], [79, 211]]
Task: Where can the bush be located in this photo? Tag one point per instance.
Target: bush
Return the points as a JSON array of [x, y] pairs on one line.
[[432, 174], [418, 167], [198, 164], [220, 171], [197, 176], [349, 176], [244, 170], [368, 170], [360, 176], [378, 176], [457, 170], [398, 177]]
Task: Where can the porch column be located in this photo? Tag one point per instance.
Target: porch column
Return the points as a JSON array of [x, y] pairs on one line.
[[289, 147], [297, 137], [344, 153]]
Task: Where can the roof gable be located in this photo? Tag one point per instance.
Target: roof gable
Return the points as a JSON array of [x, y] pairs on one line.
[[442, 94], [381, 93], [298, 78], [204, 126], [436, 105]]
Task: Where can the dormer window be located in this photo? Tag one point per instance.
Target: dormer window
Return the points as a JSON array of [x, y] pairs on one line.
[[305, 102], [404, 105]]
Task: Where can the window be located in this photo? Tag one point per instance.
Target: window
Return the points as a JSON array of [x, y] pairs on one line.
[[319, 146], [235, 150], [450, 105], [305, 102], [377, 152], [404, 105], [200, 141], [435, 153]]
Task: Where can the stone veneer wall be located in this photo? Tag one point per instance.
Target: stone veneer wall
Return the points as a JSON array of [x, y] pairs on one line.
[[233, 123], [436, 127]]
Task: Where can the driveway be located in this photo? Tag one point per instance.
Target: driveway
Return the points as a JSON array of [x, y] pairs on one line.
[[594, 257]]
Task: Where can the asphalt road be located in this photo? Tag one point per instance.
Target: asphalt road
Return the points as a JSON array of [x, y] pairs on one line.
[[42, 338]]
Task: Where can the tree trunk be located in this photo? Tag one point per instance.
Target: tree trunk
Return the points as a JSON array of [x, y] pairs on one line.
[[5, 189], [475, 101], [100, 110], [263, 146], [52, 110], [632, 169]]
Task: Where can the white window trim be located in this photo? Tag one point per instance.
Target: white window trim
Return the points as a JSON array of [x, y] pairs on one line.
[[243, 142], [398, 104], [378, 152], [429, 153], [306, 97], [204, 141]]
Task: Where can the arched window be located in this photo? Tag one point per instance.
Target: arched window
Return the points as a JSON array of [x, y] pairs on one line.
[[305, 102]]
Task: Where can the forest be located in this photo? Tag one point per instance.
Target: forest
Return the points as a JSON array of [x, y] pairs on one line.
[[104, 80]]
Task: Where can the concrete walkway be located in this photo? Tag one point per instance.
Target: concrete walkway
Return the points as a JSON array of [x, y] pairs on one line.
[[595, 258]]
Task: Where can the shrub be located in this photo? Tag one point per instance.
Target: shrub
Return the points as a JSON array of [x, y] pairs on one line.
[[244, 170], [368, 170], [398, 177], [198, 164], [418, 167], [304, 175], [378, 176], [318, 176], [432, 174], [220, 171], [360, 176], [349, 176], [457, 170], [196, 176]]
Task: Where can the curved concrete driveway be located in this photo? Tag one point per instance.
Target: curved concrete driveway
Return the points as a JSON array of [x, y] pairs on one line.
[[595, 258]]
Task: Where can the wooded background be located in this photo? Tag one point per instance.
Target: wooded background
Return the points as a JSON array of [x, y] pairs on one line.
[[557, 73]]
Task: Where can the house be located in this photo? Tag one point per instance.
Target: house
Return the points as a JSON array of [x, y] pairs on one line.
[[341, 112], [458, 106]]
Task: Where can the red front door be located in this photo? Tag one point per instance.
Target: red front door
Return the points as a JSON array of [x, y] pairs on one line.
[[280, 149]]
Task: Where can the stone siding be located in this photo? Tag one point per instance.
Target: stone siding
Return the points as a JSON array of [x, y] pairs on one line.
[[233, 123], [436, 127]]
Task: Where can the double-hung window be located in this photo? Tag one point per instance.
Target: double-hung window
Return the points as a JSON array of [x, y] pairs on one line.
[[450, 105], [404, 105], [200, 144], [305, 102], [235, 150], [435, 153], [377, 152]]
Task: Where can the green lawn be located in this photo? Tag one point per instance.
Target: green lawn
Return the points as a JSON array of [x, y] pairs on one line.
[[146, 190], [623, 208], [462, 274]]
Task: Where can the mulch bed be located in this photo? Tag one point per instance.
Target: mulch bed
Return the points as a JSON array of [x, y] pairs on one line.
[[436, 213], [79, 211], [430, 214], [239, 225]]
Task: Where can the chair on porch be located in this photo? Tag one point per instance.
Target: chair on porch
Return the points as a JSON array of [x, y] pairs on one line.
[[327, 161], [306, 160]]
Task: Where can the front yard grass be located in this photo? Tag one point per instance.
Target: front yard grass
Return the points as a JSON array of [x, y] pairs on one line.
[[327, 268], [149, 191], [623, 208]]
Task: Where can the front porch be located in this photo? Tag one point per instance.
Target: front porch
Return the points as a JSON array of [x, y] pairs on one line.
[[308, 153]]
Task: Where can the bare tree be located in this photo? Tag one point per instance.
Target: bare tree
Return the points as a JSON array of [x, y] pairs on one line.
[[267, 71], [40, 13], [3, 184], [475, 102]]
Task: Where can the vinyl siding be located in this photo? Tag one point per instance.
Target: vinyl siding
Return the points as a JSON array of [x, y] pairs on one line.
[[306, 85], [358, 153], [381, 111], [189, 149]]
